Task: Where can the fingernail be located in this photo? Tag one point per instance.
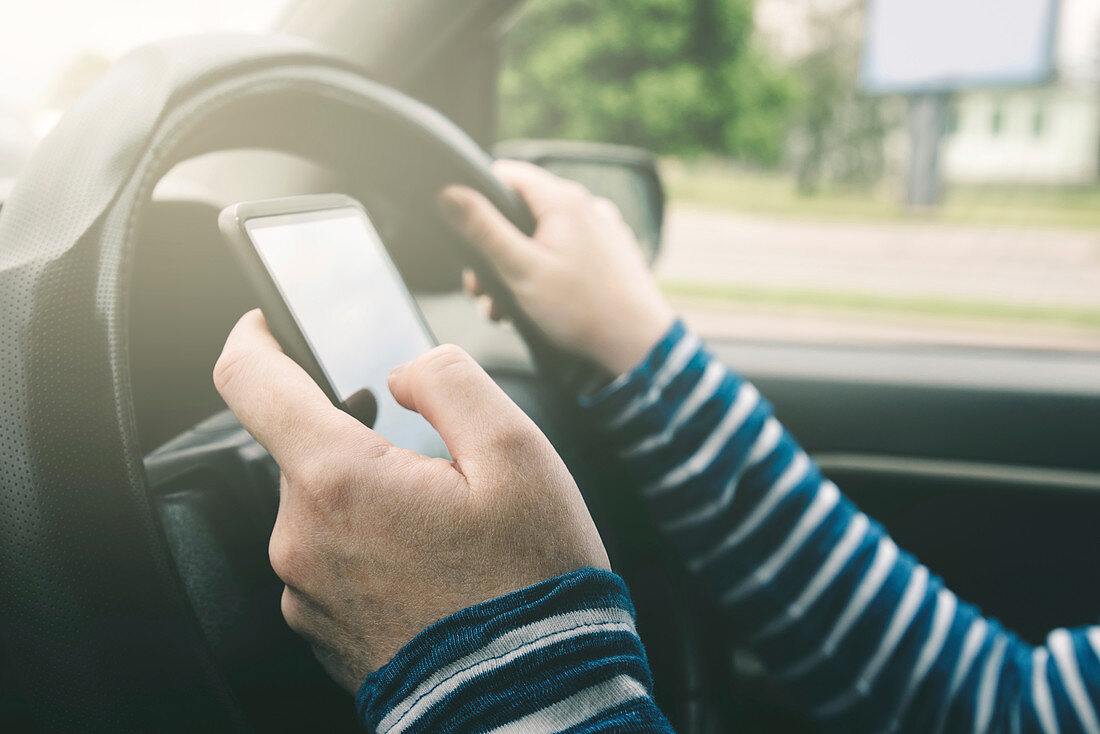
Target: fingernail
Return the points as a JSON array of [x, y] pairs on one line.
[[452, 204], [397, 371]]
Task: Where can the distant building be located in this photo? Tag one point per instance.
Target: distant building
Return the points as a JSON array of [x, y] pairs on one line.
[[1044, 135], [1048, 134]]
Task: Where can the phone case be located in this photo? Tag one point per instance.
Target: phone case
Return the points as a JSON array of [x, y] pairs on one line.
[[283, 325]]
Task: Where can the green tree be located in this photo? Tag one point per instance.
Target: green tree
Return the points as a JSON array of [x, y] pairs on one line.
[[675, 76], [839, 132]]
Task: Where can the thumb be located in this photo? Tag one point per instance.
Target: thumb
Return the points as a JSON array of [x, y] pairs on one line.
[[470, 411], [511, 252], [279, 404]]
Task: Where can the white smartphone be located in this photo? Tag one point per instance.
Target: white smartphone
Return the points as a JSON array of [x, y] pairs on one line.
[[335, 302]]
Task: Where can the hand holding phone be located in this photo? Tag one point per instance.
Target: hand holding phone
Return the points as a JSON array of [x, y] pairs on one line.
[[336, 303]]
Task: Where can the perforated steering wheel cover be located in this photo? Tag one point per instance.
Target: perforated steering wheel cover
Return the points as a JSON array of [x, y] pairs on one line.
[[92, 614]]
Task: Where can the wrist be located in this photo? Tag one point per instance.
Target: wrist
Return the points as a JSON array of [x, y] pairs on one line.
[[607, 404], [502, 660], [627, 345]]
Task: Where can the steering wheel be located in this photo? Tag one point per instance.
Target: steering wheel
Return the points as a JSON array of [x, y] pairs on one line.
[[128, 602]]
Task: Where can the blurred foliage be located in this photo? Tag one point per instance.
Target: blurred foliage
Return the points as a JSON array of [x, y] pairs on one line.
[[839, 132], [679, 77], [721, 185]]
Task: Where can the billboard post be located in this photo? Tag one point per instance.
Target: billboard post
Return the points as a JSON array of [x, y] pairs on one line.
[[927, 119]]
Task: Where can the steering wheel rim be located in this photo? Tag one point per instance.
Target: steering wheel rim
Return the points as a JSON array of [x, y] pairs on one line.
[[81, 549]]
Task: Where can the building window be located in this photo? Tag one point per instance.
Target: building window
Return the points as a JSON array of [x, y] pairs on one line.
[[997, 119], [1039, 120], [952, 123]]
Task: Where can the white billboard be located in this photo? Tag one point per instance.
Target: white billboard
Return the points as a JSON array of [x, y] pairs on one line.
[[939, 45]]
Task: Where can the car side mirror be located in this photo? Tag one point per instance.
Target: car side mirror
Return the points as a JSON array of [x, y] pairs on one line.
[[625, 175]]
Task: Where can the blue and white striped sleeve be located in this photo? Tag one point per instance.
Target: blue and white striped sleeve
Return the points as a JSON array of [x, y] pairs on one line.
[[558, 656], [858, 631]]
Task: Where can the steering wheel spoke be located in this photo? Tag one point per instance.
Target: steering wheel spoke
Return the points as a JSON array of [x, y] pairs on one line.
[[217, 453]]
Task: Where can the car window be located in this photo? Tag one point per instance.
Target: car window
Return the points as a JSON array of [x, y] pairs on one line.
[[787, 133]]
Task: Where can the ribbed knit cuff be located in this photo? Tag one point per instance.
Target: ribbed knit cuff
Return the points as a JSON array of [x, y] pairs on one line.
[[553, 652]]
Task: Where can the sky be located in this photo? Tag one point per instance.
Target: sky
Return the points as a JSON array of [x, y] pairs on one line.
[[38, 37]]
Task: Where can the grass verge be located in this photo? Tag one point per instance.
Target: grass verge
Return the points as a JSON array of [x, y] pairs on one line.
[[870, 302], [726, 187]]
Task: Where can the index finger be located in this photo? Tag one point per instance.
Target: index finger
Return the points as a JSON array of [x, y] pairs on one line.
[[277, 401]]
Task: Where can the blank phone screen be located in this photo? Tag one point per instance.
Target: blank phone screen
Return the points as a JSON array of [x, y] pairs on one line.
[[352, 307]]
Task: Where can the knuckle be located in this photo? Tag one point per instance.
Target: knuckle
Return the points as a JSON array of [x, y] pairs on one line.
[[607, 206], [311, 475], [375, 453], [229, 365], [286, 558], [326, 476], [325, 489], [503, 166], [446, 360], [574, 189], [293, 610], [576, 195], [514, 438], [234, 357]]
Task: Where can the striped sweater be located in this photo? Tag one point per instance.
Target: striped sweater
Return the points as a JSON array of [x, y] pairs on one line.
[[861, 634]]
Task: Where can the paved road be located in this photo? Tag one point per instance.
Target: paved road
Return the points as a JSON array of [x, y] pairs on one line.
[[1009, 265]]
